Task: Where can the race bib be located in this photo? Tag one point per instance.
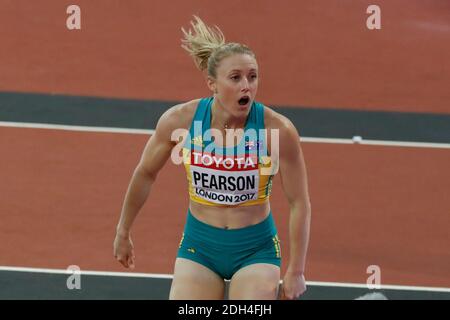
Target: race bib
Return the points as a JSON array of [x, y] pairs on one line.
[[224, 180]]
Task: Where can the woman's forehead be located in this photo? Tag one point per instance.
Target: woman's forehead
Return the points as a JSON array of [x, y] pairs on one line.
[[238, 62]]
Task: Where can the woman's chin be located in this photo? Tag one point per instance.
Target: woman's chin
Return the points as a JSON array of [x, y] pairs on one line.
[[243, 108]]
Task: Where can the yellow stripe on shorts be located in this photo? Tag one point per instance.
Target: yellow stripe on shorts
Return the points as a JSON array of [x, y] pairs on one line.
[[276, 242]]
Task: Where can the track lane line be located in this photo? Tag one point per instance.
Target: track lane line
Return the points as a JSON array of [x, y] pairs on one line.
[[386, 143]]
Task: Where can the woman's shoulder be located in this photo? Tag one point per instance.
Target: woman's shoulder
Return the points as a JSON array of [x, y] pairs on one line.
[[180, 115], [287, 132]]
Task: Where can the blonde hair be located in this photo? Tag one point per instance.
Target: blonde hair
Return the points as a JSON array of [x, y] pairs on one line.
[[207, 46]]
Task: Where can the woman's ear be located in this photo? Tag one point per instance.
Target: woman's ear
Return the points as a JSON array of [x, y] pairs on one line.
[[211, 84]]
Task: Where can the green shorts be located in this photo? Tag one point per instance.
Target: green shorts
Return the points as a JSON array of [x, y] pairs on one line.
[[225, 251]]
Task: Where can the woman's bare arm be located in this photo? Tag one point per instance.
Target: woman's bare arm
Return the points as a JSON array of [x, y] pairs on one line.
[[293, 174], [156, 152]]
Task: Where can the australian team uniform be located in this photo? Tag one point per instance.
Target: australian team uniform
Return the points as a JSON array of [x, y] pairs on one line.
[[237, 176]]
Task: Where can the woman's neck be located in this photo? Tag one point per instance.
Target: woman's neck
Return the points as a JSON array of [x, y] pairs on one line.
[[221, 119]]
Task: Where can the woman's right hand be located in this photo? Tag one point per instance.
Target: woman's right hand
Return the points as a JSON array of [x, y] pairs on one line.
[[124, 250]]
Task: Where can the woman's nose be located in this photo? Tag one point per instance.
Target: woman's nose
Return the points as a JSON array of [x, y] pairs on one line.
[[245, 85]]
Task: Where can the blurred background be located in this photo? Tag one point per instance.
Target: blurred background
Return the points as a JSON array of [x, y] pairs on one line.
[[381, 202]]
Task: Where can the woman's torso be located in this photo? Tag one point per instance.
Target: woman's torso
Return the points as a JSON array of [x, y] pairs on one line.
[[230, 217]]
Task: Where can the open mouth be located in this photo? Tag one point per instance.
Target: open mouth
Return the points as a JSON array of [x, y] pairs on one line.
[[244, 100]]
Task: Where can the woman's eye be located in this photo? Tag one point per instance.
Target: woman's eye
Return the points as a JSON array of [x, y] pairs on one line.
[[237, 78]]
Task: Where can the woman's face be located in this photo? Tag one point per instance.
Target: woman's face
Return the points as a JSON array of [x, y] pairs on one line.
[[236, 84]]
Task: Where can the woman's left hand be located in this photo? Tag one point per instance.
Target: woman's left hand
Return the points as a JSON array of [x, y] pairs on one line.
[[294, 286]]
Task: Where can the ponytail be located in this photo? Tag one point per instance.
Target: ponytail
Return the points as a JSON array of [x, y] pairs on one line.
[[207, 46]]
